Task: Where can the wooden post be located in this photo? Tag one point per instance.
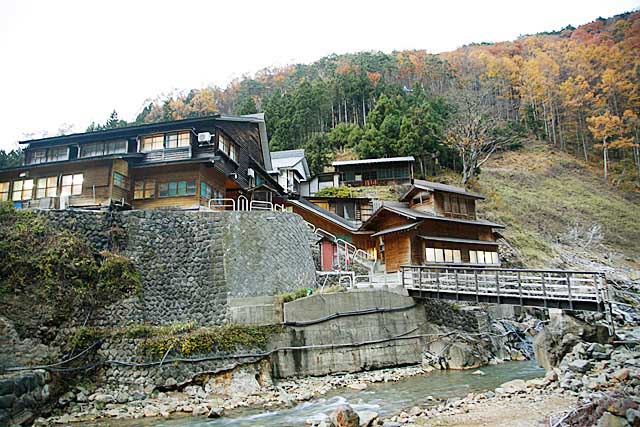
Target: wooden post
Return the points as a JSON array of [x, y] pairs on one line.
[[438, 283], [520, 288], [498, 285], [544, 290], [568, 279], [475, 276], [455, 273]]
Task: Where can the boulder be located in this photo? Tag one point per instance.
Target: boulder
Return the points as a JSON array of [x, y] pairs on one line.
[[357, 386], [367, 418], [514, 386], [150, 411], [580, 365], [561, 335], [609, 420], [345, 416], [622, 374], [216, 412], [633, 417]]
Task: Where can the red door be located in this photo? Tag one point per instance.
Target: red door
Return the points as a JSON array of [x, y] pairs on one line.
[[327, 254]]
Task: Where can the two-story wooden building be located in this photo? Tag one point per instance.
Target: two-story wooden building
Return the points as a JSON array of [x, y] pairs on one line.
[[182, 164]]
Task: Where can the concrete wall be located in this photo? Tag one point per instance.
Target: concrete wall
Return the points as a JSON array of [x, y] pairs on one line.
[[348, 330], [192, 263]]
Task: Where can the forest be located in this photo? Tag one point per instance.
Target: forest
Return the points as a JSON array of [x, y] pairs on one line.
[[577, 89]]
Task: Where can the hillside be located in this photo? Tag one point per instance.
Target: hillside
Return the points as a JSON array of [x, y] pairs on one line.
[[560, 213]]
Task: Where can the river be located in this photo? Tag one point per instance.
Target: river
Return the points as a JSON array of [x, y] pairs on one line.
[[383, 398]]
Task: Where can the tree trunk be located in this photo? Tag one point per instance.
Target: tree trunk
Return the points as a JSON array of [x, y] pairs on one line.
[[605, 155]]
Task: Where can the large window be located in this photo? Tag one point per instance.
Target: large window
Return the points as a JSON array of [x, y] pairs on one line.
[[177, 188], [153, 142], [483, 257], [4, 191], [457, 206], [228, 147], [177, 139], [58, 154], [47, 187], [72, 185], [22, 190], [36, 156], [450, 256], [103, 148], [205, 190], [145, 189]]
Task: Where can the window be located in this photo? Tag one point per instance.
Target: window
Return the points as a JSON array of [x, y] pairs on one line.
[[177, 139], [36, 156], [484, 257], [177, 188], [205, 190], [47, 187], [57, 154], [71, 185], [222, 144], [233, 152], [153, 142], [119, 180], [22, 190], [450, 256], [144, 189], [4, 191], [103, 148]]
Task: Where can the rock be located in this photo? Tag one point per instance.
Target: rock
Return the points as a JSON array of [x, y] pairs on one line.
[[537, 383], [633, 417], [344, 416], [478, 372], [150, 411], [200, 410], [514, 386], [580, 365], [391, 424], [357, 386], [551, 376], [122, 397], [101, 397], [170, 383], [215, 412], [367, 418], [622, 374], [609, 420]]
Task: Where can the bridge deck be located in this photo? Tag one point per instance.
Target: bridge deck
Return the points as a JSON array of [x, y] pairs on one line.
[[568, 290]]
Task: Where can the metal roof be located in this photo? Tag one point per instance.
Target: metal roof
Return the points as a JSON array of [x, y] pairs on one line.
[[368, 161], [416, 214], [436, 186], [403, 227], [288, 159], [336, 219], [456, 240]]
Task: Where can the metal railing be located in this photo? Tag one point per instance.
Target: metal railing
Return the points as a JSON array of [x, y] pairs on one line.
[[548, 288], [243, 204], [350, 251]]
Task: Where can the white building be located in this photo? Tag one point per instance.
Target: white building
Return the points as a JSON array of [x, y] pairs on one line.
[[290, 168]]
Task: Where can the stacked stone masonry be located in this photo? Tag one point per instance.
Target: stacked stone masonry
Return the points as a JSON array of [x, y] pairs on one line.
[[191, 263]]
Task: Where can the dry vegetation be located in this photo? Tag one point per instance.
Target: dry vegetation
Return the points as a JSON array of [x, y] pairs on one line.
[[560, 212]]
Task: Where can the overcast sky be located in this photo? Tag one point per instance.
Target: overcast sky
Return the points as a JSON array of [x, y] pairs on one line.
[[73, 62]]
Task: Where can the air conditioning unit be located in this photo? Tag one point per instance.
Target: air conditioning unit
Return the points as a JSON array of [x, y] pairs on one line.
[[251, 173], [204, 137], [64, 202]]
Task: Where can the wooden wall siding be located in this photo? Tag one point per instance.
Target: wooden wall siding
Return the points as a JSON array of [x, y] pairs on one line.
[[121, 193], [167, 173], [453, 229], [214, 178], [397, 250], [167, 155], [387, 219], [440, 206], [246, 136]]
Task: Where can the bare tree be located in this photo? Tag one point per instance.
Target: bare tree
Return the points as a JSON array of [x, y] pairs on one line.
[[472, 126]]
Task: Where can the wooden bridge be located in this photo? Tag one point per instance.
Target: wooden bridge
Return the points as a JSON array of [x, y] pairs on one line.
[[564, 289]]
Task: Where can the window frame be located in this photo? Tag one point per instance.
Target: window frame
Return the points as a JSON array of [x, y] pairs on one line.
[[47, 187], [75, 188], [123, 180], [182, 188], [148, 189], [5, 191], [22, 190], [156, 138]]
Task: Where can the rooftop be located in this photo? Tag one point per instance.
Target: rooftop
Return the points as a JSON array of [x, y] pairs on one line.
[[369, 161], [436, 186]]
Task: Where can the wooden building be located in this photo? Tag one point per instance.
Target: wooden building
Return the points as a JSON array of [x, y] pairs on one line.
[[179, 164], [381, 171], [433, 224]]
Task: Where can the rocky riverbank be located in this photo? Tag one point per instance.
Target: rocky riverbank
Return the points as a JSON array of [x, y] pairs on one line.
[[83, 405]]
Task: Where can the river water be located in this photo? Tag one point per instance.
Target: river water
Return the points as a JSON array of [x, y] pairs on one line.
[[383, 398]]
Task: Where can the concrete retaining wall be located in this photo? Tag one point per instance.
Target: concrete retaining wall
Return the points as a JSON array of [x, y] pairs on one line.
[[348, 330]]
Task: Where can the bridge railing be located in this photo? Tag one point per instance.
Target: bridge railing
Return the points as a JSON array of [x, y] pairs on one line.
[[508, 284]]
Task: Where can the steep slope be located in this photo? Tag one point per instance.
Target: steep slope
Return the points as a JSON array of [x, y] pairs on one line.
[[560, 213]]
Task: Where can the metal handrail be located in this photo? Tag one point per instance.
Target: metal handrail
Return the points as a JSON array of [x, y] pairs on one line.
[[225, 205], [259, 205]]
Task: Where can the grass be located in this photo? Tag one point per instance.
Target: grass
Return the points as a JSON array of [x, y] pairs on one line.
[[540, 195]]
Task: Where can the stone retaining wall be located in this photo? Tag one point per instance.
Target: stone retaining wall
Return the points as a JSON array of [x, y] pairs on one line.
[[22, 396], [191, 263]]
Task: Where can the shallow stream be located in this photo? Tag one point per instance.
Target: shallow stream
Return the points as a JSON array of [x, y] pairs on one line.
[[383, 398]]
